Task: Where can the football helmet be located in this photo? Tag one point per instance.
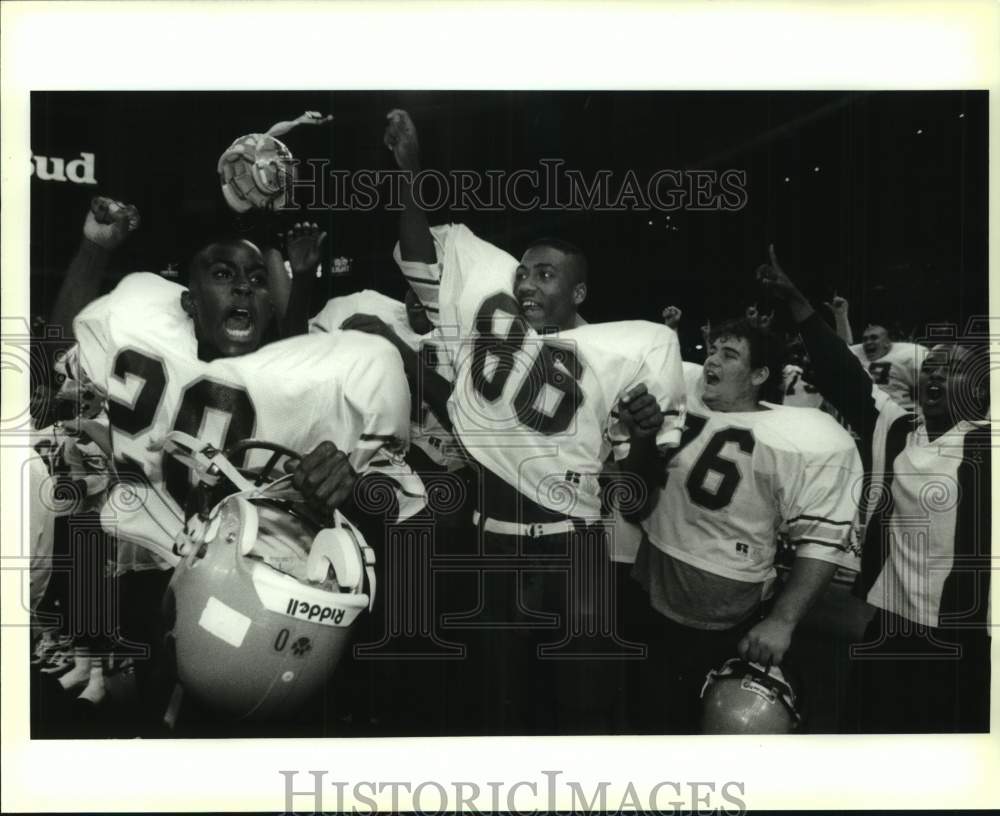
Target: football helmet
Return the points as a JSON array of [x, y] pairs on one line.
[[746, 698], [256, 172], [260, 610]]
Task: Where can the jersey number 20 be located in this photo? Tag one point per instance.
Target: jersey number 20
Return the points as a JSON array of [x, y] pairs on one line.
[[230, 405]]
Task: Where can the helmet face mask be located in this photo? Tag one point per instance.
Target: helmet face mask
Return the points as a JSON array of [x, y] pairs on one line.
[[746, 698], [264, 602]]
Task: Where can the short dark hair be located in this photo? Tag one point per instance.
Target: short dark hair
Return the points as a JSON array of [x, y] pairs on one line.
[[196, 248], [567, 248], [195, 231], [766, 349]]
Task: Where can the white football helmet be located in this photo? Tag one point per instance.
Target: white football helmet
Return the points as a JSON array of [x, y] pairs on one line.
[[746, 698], [261, 608], [256, 172]]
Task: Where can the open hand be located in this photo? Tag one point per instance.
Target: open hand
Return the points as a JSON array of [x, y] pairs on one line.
[[303, 247]]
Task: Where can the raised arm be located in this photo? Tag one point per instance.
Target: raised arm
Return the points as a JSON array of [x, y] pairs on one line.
[[839, 307], [279, 129], [303, 249], [838, 374], [106, 227], [415, 241]]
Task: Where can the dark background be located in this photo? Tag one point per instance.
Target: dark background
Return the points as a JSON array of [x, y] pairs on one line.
[[894, 219]]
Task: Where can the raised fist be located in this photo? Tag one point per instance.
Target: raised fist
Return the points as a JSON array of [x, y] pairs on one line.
[[324, 477], [303, 246], [109, 222], [672, 316], [838, 305], [640, 413], [401, 138]]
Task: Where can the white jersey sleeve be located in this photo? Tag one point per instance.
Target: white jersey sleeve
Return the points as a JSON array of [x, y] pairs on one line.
[[425, 279], [93, 341], [426, 431], [437, 350], [818, 485], [369, 302]]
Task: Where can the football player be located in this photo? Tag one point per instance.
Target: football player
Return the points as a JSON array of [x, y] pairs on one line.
[[744, 469], [532, 399], [893, 367], [924, 664], [194, 360]]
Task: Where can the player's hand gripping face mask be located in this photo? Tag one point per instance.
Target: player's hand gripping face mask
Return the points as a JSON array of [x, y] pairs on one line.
[[229, 299], [260, 610]]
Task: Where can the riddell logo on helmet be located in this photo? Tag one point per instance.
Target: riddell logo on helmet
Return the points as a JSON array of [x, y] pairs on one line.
[[314, 612]]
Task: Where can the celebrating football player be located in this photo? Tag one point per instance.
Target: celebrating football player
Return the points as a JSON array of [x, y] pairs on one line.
[[744, 469], [893, 367], [532, 400], [924, 664], [194, 360]]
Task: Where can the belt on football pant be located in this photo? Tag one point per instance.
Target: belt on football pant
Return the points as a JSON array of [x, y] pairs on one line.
[[525, 530]]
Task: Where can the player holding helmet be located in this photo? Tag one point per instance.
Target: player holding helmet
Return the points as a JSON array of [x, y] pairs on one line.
[[744, 469], [195, 360]]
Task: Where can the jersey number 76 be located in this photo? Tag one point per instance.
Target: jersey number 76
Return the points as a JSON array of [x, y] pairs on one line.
[[711, 461]]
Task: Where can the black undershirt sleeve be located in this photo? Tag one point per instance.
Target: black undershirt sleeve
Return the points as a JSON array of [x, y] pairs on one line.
[[840, 377]]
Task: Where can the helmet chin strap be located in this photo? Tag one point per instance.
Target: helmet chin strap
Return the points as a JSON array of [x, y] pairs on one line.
[[340, 547], [772, 678]]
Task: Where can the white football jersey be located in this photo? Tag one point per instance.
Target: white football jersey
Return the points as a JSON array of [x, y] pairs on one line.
[[896, 373], [369, 302], [535, 409], [798, 392], [138, 345], [739, 477], [426, 431], [936, 526], [425, 279]]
